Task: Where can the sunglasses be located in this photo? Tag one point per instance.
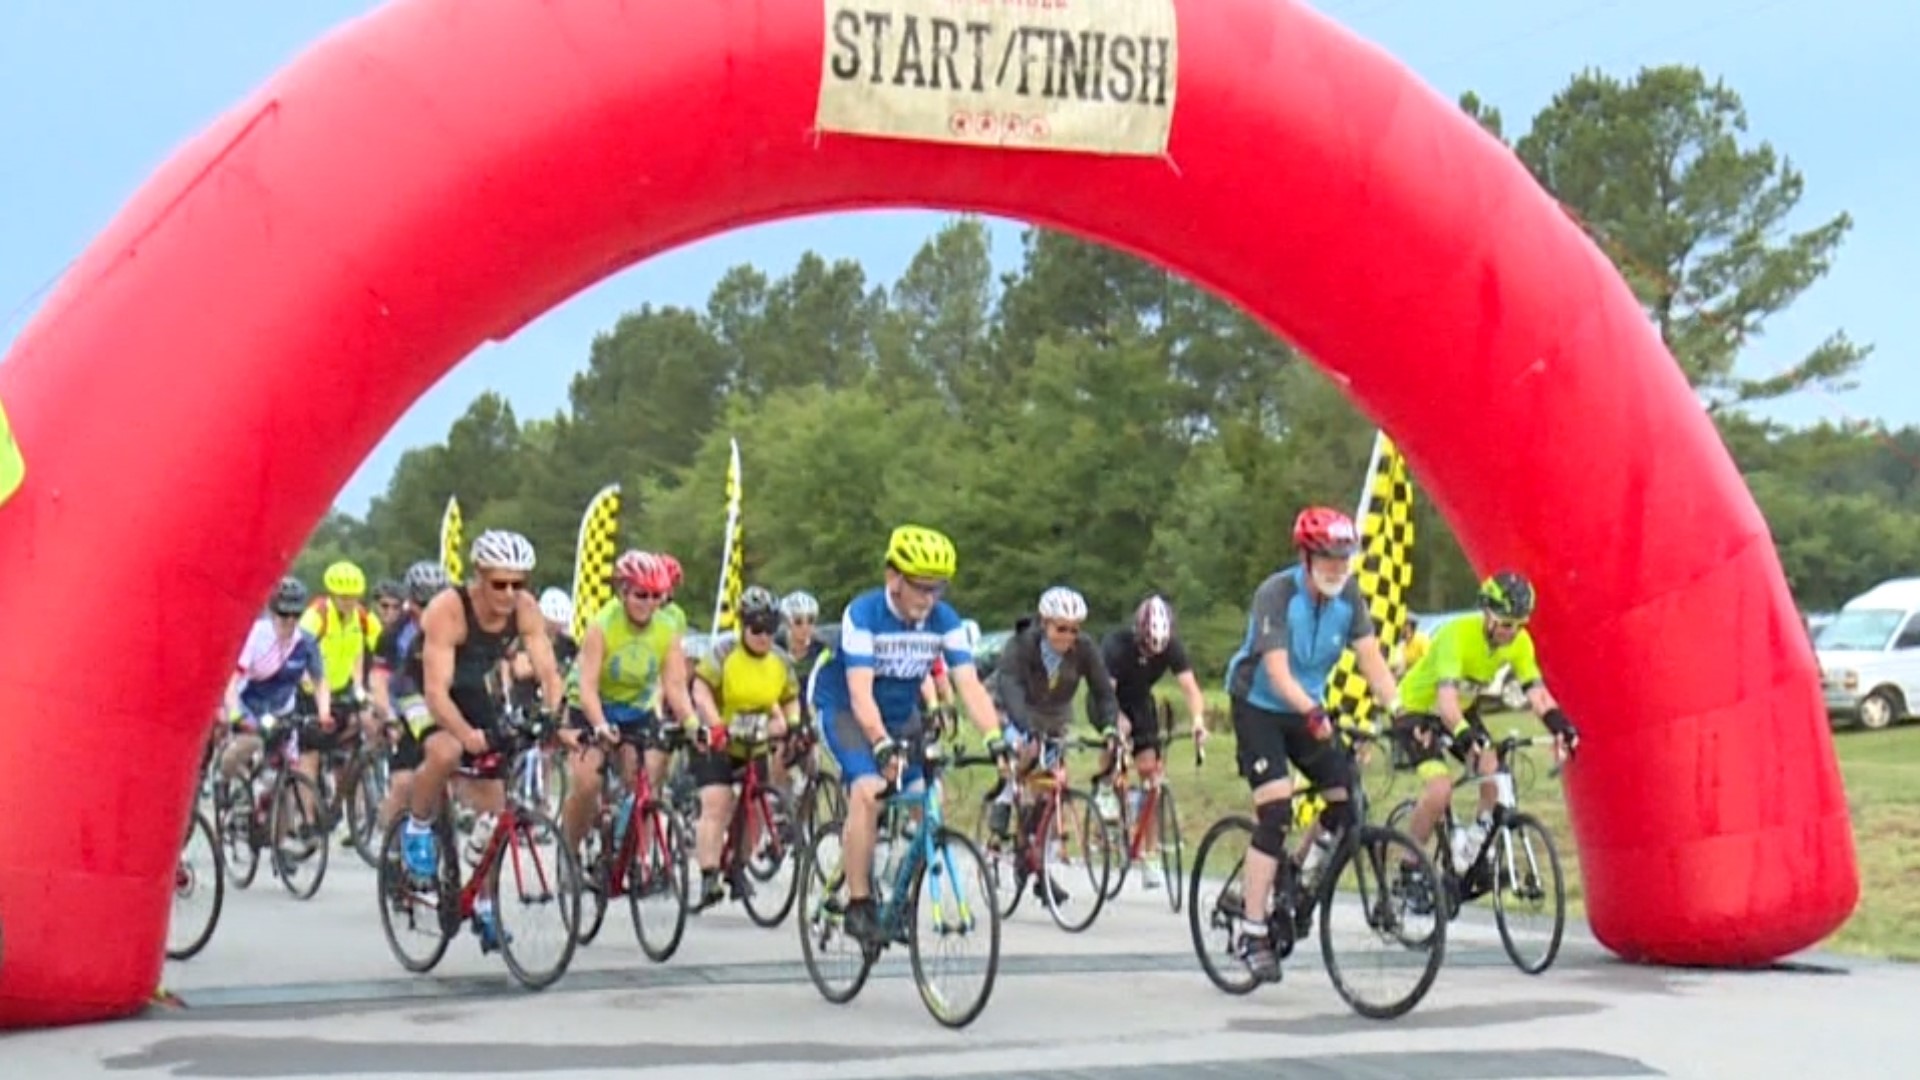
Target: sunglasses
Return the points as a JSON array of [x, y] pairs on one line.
[[759, 628], [799, 622], [507, 584], [650, 597], [287, 616], [1063, 628], [1509, 624], [924, 588]]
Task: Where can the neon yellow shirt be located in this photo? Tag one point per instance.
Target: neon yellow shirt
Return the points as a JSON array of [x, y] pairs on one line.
[[744, 684], [343, 641], [675, 614], [1462, 655], [634, 658]]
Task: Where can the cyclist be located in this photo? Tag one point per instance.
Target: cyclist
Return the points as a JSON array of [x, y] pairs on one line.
[[1443, 689], [1302, 619], [276, 659], [1136, 657], [1413, 645], [390, 603], [348, 633], [670, 607], [743, 680], [466, 633], [865, 694], [801, 613], [395, 685], [557, 608], [629, 660]]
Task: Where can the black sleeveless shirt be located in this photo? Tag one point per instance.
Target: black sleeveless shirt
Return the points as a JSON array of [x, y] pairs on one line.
[[476, 666]]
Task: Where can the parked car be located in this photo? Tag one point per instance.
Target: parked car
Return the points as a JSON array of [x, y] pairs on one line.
[[1870, 655]]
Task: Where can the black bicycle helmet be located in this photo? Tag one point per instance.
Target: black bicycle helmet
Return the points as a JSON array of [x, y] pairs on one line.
[[289, 597], [1507, 595]]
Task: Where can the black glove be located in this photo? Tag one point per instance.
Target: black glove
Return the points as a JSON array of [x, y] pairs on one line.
[[1562, 727]]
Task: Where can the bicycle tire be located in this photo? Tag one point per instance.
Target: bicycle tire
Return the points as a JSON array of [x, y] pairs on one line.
[[657, 821], [813, 884], [1204, 916], [530, 827], [391, 883], [1119, 838], [198, 823], [369, 790], [1172, 852], [1365, 839], [1008, 888], [596, 895], [945, 842], [1096, 881], [316, 819], [233, 815], [1516, 824], [777, 821]]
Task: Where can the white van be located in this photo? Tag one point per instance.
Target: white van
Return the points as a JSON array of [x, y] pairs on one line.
[[1870, 655]]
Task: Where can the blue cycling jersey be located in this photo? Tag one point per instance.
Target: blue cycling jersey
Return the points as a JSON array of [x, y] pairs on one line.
[[1289, 613], [273, 670], [900, 655]]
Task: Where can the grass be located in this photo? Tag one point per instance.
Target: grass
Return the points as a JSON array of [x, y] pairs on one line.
[[1881, 771]]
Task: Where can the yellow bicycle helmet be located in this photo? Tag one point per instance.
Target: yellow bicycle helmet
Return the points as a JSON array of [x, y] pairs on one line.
[[345, 579], [921, 552]]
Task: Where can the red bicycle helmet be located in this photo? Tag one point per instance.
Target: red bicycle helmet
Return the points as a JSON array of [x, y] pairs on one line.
[[1322, 530], [644, 571], [673, 570]]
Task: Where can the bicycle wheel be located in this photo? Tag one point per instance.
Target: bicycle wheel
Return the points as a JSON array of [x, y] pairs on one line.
[[657, 877], [197, 883], [824, 942], [1003, 854], [1214, 911], [821, 803], [1172, 861], [950, 888], [419, 920], [1375, 873], [598, 856], [366, 785], [299, 834], [234, 815], [769, 849], [535, 867], [1526, 870], [1085, 845], [1119, 840]]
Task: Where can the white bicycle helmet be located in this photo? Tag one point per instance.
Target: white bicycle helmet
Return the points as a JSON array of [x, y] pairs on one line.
[[799, 604], [498, 549], [557, 607], [1153, 624], [1064, 604]]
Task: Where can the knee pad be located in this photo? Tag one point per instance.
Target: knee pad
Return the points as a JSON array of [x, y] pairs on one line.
[[1337, 816], [1270, 827]]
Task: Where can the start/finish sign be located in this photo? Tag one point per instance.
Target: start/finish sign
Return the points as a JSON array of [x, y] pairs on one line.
[[12, 468]]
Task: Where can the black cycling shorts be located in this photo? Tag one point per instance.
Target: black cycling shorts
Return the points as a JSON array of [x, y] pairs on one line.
[[1145, 715], [1269, 740]]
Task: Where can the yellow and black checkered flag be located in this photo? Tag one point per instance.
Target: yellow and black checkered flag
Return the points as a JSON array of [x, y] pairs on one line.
[[1386, 573], [451, 540], [733, 559], [593, 556]]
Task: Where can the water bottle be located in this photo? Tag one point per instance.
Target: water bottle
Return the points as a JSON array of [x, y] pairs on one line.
[[478, 840], [1109, 806], [621, 816], [1503, 787]]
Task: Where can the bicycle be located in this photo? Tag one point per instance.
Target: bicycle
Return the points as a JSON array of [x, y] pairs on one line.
[[1058, 811], [438, 908], [1390, 872], [1507, 862], [643, 863], [915, 867], [820, 797], [273, 804], [1157, 811], [760, 838], [187, 881]]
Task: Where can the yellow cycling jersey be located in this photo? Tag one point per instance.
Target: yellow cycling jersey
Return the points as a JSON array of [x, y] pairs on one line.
[[1462, 655], [744, 684], [344, 640]]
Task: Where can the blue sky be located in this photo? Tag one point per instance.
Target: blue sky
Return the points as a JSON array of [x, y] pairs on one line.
[[95, 94]]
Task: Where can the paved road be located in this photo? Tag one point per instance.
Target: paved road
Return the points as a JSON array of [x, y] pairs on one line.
[[292, 989]]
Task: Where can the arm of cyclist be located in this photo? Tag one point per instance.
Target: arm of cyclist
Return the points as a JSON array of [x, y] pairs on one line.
[[442, 626], [1270, 644], [704, 696], [1114, 654], [1527, 670], [1010, 680], [539, 647], [676, 693], [1182, 669], [593, 656]]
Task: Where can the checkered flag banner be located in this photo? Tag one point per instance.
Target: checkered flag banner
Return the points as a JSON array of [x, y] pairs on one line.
[[733, 560], [451, 540], [1386, 573], [593, 557]]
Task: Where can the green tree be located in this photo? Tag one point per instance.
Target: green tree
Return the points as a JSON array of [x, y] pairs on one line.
[[1696, 221]]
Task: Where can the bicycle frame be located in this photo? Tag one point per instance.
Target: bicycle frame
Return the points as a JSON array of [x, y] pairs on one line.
[[926, 806]]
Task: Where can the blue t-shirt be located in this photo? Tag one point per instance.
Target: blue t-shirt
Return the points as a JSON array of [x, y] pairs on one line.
[[1289, 613], [272, 668], [900, 655]]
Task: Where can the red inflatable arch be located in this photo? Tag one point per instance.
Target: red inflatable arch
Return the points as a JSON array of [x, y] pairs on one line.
[[438, 173]]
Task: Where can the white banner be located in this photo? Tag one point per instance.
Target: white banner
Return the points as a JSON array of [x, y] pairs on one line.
[[1094, 76]]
